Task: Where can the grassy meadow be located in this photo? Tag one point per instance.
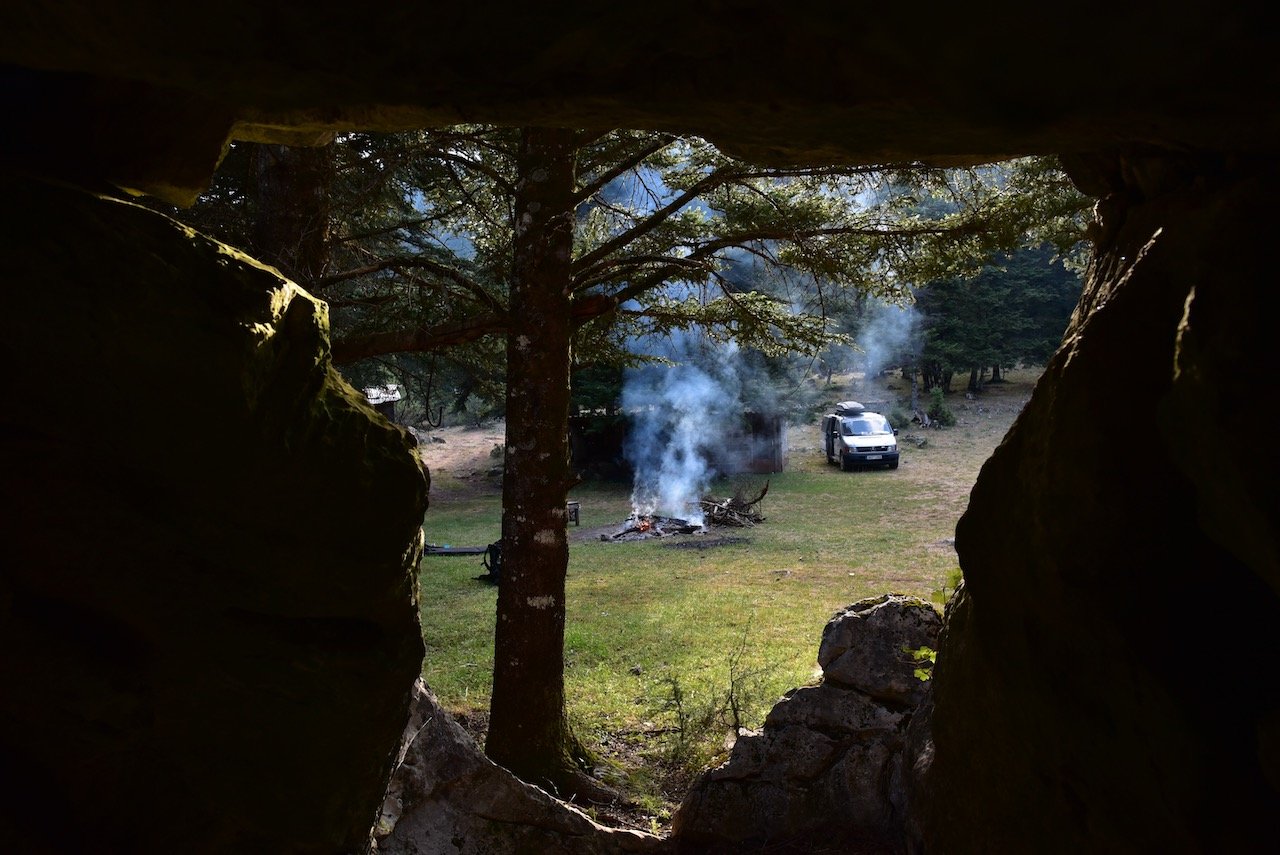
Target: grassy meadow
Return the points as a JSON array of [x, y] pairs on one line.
[[666, 637]]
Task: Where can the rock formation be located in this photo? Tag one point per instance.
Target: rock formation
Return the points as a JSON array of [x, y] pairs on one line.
[[147, 95], [1072, 701], [826, 768], [207, 607], [447, 797]]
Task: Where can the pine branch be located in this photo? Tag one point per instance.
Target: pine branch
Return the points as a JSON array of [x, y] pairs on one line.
[[384, 230], [635, 159], [657, 218], [417, 340], [478, 166], [445, 271]]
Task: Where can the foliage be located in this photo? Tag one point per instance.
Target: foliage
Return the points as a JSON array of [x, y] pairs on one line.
[[699, 724], [597, 389], [945, 591], [670, 233], [939, 412], [1013, 311], [691, 724], [925, 658]]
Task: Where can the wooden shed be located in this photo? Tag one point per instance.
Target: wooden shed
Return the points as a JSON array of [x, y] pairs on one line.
[[757, 444], [384, 398]]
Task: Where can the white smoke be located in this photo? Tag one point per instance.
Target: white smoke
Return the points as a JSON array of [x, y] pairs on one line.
[[888, 337], [678, 415]]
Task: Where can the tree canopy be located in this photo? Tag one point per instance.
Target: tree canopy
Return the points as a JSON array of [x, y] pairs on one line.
[[1013, 311], [420, 224]]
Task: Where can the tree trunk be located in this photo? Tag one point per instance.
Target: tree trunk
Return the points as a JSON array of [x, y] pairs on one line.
[[528, 730], [930, 375], [291, 226]]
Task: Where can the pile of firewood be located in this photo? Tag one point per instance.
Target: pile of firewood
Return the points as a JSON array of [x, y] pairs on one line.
[[737, 510], [922, 419]]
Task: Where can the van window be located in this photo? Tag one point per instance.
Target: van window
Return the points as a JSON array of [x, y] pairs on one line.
[[868, 424]]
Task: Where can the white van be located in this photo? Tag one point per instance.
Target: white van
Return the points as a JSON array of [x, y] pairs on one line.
[[855, 437]]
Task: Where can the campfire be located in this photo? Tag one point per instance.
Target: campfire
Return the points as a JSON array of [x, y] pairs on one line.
[[638, 527], [737, 510]]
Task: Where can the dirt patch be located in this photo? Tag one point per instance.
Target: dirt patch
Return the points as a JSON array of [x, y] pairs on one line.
[[943, 463], [600, 532], [463, 450], [462, 459]]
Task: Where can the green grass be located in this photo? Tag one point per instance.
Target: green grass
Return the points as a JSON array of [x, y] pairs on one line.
[[645, 619], [671, 614]]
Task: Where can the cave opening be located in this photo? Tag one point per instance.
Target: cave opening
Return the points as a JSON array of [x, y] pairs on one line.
[[196, 707]]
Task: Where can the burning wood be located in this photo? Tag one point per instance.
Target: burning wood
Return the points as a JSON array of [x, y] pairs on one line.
[[738, 510], [638, 527]]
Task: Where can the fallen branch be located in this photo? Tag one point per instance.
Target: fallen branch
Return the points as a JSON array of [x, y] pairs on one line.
[[735, 511], [715, 513], [738, 502]]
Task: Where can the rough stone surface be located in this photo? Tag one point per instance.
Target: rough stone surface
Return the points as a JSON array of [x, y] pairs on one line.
[[447, 798], [825, 767], [867, 646], [833, 81], [1099, 579], [207, 603], [835, 708]]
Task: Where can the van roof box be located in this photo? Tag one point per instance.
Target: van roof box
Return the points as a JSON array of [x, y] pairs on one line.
[[849, 408]]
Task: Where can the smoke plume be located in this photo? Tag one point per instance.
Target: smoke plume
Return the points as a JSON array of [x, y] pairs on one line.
[[678, 414], [888, 337]]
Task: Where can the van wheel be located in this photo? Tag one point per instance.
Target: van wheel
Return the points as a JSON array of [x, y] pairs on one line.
[[893, 465], [845, 465]]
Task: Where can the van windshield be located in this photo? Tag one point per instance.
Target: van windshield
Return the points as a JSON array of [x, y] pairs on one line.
[[867, 424]]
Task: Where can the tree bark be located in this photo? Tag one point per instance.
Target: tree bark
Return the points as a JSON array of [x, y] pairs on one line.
[[529, 732], [291, 224]]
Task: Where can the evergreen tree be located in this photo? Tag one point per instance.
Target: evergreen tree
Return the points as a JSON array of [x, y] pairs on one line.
[[1013, 311]]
